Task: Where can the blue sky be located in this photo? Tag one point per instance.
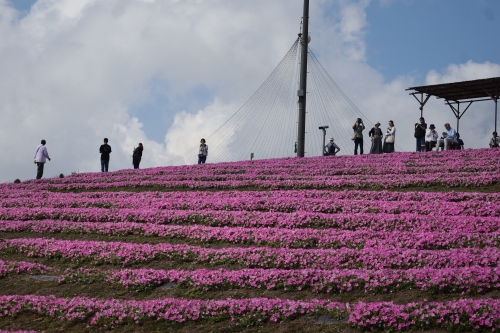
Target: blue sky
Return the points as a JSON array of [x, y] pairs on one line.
[[417, 36], [403, 37]]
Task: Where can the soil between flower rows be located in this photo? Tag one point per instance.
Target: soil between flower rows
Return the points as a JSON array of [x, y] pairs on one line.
[[23, 284]]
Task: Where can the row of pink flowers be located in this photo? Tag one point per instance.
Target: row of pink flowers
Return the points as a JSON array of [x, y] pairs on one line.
[[470, 168], [263, 257], [18, 331], [21, 267], [351, 202], [344, 221], [468, 280], [463, 315], [274, 237]]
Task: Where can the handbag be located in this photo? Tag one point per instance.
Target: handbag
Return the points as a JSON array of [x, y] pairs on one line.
[[353, 136], [389, 139]]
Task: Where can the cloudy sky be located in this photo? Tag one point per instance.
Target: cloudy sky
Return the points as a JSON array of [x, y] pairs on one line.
[[167, 72]]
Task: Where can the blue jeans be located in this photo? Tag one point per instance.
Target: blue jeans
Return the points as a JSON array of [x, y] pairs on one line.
[[420, 142], [202, 159], [104, 165]]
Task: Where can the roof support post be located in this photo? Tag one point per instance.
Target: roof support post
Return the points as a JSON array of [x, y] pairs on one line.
[[421, 101], [496, 112], [456, 111], [301, 137]]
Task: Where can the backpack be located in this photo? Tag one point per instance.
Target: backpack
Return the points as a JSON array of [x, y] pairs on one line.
[[331, 149], [106, 149]]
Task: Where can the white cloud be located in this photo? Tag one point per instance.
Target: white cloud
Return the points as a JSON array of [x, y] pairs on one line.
[[71, 70]]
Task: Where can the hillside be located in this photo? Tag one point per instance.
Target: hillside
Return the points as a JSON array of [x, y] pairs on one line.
[[401, 241]]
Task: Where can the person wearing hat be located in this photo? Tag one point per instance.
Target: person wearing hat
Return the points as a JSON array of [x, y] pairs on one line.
[[431, 137], [331, 149], [376, 136]]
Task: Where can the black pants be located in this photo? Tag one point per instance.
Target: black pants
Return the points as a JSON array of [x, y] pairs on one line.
[[39, 170], [429, 145], [136, 161], [358, 142]]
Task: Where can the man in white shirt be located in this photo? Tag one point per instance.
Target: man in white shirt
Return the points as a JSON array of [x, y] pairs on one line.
[[495, 140], [41, 157], [449, 137]]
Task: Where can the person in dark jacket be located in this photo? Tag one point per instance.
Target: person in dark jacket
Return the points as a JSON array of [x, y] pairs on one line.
[[105, 150], [137, 156], [376, 136], [420, 130]]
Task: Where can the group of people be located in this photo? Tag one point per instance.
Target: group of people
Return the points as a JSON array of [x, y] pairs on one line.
[[42, 155], [380, 143], [428, 138]]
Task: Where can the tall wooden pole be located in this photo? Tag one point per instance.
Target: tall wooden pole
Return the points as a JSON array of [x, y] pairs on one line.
[[302, 93]]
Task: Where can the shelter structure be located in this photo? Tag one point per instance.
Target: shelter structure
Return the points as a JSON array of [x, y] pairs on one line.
[[459, 96]]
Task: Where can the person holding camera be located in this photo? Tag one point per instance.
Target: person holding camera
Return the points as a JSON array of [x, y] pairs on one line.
[[420, 129], [431, 138], [203, 152], [495, 140], [358, 128]]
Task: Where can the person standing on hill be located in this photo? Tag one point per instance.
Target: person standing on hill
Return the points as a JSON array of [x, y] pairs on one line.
[[105, 150], [137, 156], [41, 157], [331, 149], [358, 128], [495, 140], [203, 152], [390, 138], [420, 130], [376, 136]]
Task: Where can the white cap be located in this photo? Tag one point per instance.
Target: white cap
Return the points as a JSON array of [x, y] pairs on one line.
[[331, 139]]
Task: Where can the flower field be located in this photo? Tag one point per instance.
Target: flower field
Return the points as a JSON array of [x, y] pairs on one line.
[[392, 242]]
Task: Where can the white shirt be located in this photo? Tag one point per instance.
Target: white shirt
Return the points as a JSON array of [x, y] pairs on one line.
[[41, 154], [431, 136], [451, 134], [492, 141], [392, 132], [203, 150]]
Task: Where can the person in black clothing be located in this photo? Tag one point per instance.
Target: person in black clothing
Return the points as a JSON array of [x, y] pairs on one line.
[[376, 136], [460, 142], [420, 130], [105, 150], [137, 156]]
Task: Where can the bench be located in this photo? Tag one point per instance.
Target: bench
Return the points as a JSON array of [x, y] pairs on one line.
[[452, 145]]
